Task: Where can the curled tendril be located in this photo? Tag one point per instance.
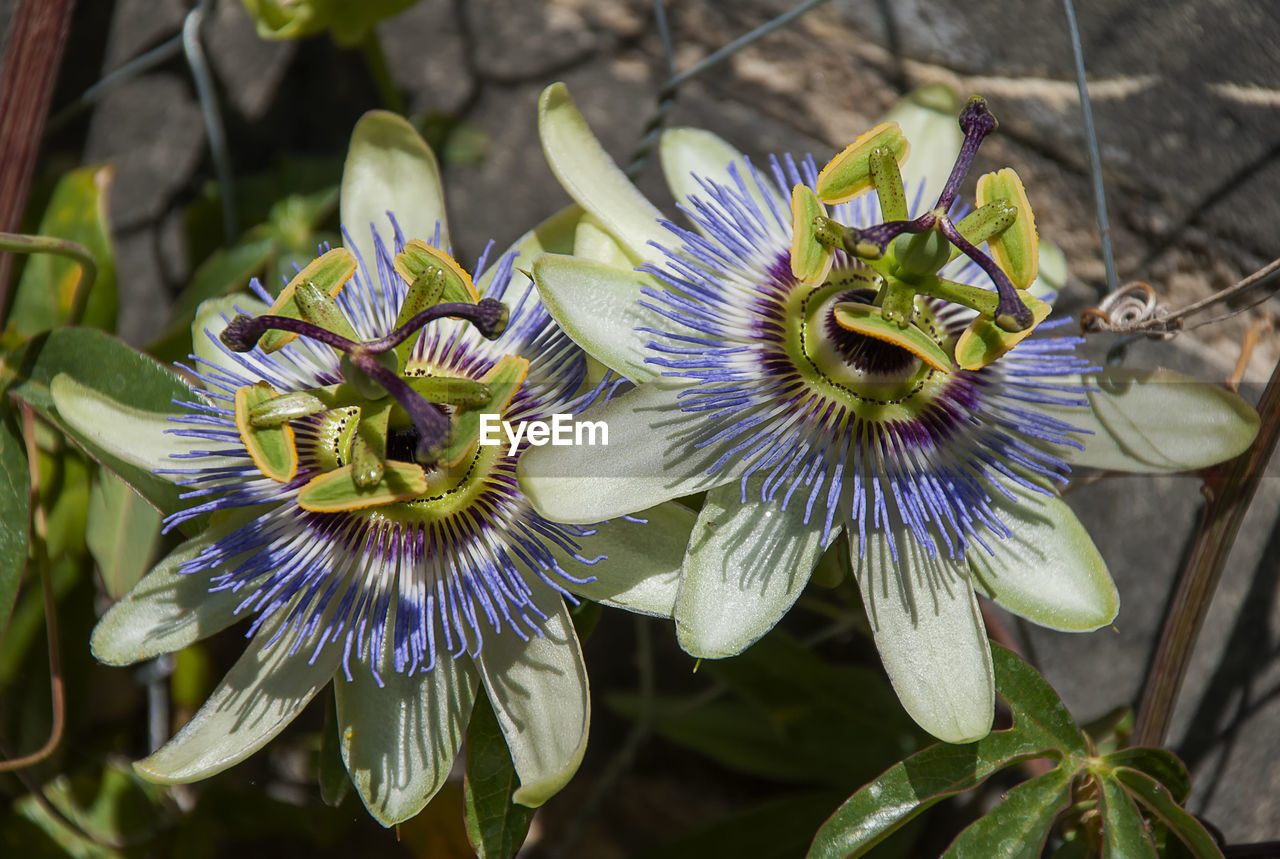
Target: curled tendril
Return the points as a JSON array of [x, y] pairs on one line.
[[1131, 309]]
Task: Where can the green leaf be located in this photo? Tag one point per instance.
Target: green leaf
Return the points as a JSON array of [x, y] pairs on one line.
[[1161, 803], [389, 168], [15, 512], [496, 824], [592, 178], [107, 366], [1041, 727], [1156, 421], [778, 829], [1124, 834], [1018, 826], [792, 717], [599, 307], [122, 531], [1163, 766], [46, 292]]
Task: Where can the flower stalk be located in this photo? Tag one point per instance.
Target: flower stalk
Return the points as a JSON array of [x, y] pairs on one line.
[[1228, 489]]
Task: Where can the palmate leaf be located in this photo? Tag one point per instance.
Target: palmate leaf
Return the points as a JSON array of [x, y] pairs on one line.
[[1019, 825]]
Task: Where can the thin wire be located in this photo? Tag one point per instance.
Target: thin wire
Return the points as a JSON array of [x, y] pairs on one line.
[[667, 94], [208, 99], [1095, 156], [140, 64]]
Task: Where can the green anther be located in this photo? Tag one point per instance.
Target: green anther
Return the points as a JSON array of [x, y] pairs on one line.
[[849, 173], [985, 223], [272, 449], [327, 273], [419, 259], [369, 447], [463, 393], [811, 258], [1017, 249], [982, 342], [887, 179], [829, 232], [425, 291], [364, 385], [897, 302], [869, 321], [336, 491], [920, 254], [503, 381], [316, 307], [284, 408], [985, 301]]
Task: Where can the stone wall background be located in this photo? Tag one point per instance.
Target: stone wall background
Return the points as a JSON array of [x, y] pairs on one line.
[[1187, 105]]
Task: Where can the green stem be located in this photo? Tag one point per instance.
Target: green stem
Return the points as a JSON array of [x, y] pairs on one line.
[[376, 60], [1228, 489], [62, 247]]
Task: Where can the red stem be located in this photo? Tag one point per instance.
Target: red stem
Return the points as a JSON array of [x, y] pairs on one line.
[[33, 54]]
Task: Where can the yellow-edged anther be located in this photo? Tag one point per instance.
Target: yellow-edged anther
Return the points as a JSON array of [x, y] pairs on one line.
[[337, 491], [984, 341], [328, 272], [419, 258], [866, 319], [1017, 249], [503, 381], [849, 173], [271, 448], [810, 259]]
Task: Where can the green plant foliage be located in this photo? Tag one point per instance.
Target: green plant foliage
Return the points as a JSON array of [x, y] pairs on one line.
[[122, 531], [101, 362], [496, 825], [78, 212], [1019, 826], [15, 512]]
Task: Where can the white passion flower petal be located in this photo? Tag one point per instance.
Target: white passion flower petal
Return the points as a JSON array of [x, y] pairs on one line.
[[399, 740], [136, 436], [539, 692], [169, 609], [599, 306], [649, 459], [641, 572], [262, 693], [592, 178], [1156, 422], [389, 168], [925, 620], [693, 152], [747, 564], [1047, 570]]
